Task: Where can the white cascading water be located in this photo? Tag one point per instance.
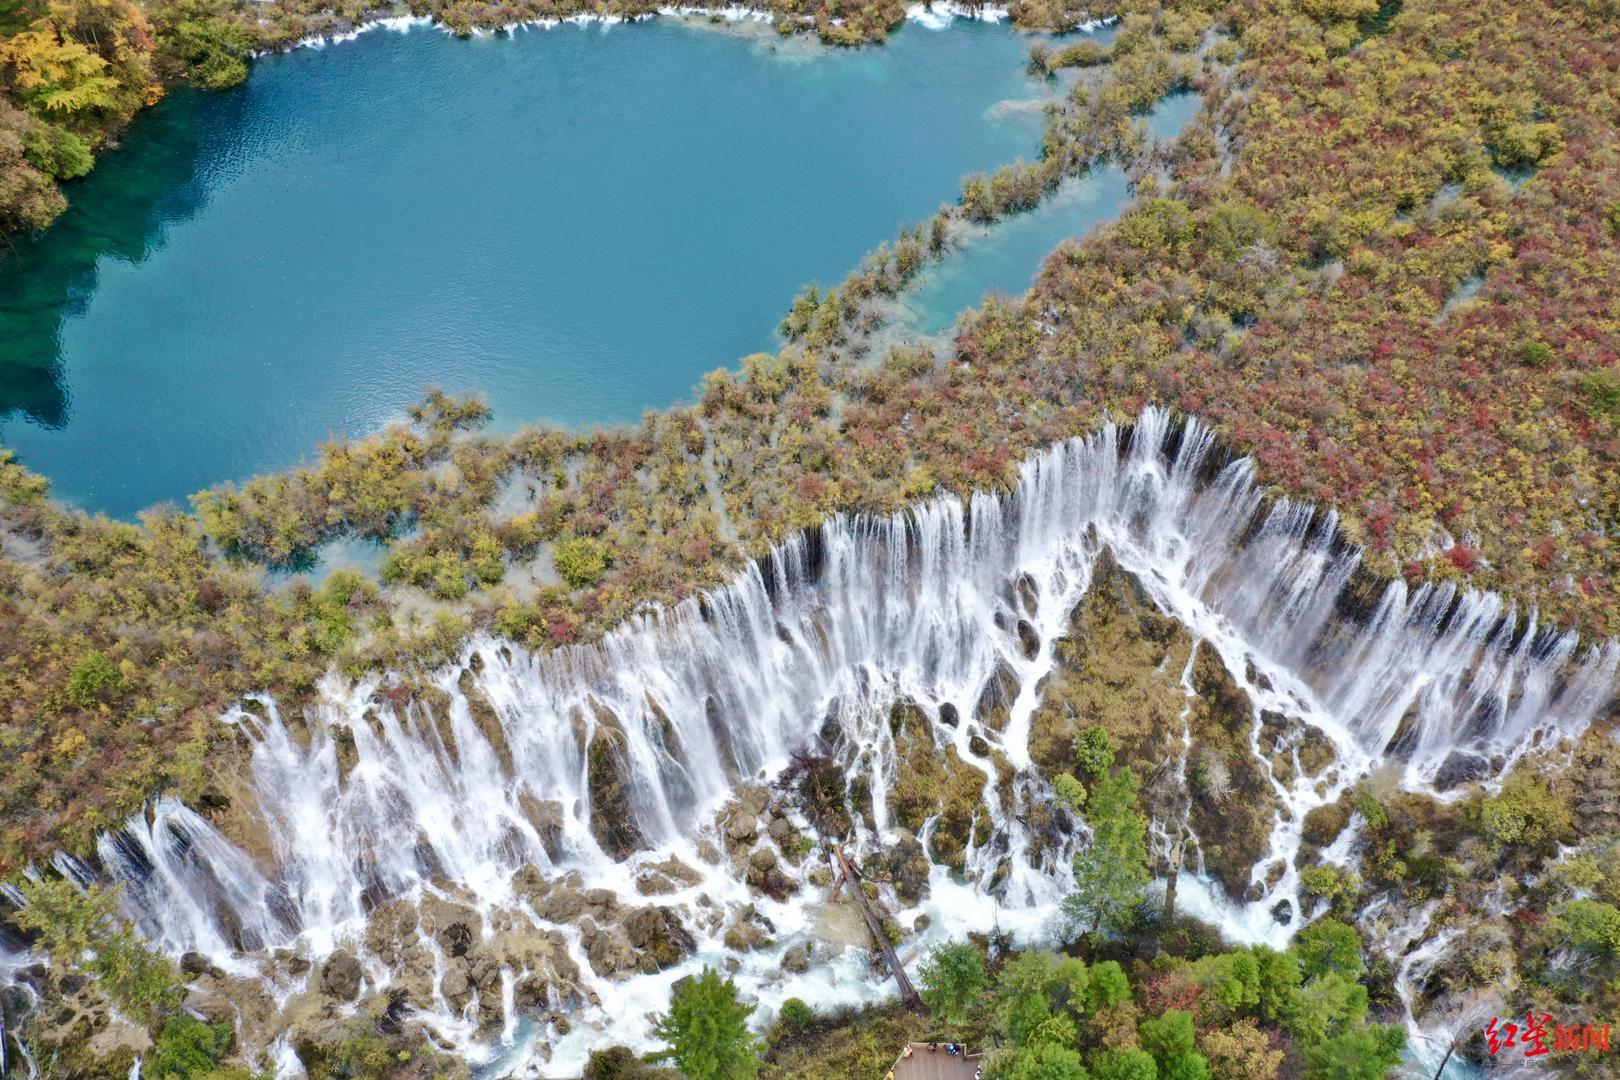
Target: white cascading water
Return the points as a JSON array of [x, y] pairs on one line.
[[825, 635]]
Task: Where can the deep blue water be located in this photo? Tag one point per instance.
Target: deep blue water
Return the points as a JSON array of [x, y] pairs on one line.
[[579, 223]]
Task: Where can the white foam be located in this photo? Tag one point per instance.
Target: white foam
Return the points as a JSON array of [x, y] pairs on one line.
[[828, 633]]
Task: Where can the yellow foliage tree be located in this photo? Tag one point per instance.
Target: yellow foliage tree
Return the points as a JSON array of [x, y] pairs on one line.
[[55, 76]]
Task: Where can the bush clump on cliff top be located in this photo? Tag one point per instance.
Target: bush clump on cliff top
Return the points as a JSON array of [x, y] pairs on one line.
[[580, 560]]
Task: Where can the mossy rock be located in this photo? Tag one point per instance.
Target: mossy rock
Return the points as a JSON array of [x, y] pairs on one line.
[[607, 778], [1324, 823], [994, 706], [1118, 667], [932, 783], [659, 938], [1233, 806]]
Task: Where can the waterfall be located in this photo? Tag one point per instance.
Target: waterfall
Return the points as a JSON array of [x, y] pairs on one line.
[[378, 795]]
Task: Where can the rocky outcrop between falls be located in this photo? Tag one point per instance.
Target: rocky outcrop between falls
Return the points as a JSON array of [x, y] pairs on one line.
[[1120, 667], [618, 939], [341, 976], [1232, 806], [77, 1027], [607, 778], [763, 844], [933, 784]]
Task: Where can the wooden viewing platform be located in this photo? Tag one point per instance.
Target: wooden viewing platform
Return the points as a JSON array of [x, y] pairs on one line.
[[926, 1063]]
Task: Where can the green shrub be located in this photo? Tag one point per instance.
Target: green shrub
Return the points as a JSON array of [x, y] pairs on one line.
[[187, 1049], [620, 1063], [1046, 1061], [1124, 1065], [1365, 1053], [1169, 1038], [92, 677], [581, 561], [1591, 925], [1329, 945], [1081, 54], [1159, 227], [952, 979], [1535, 353], [1369, 808], [1108, 985], [706, 1030], [209, 46], [1526, 811], [1328, 882], [57, 151], [1231, 979], [84, 931], [796, 1014], [1602, 390], [1235, 227], [1094, 752]]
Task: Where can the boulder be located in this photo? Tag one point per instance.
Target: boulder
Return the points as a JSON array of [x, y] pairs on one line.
[[456, 985], [659, 938], [908, 868], [1029, 642], [754, 798], [797, 959], [742, 827], [748, 931], [563, 904], [456, 928], [341, 976], [547, 818], [1461, 767], [668, 876], [194, 963], [608, 950]]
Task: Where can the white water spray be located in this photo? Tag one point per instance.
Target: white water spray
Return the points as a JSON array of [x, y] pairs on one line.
[[376, 797]]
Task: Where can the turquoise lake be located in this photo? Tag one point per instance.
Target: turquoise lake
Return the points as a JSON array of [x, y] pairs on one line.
[[577, 222]]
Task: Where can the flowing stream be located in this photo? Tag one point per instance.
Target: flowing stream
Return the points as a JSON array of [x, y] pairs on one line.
[[366, 800]]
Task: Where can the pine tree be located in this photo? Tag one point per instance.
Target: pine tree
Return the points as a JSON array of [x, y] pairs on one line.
[[953, 977], [707, 1031], [1111, 872]]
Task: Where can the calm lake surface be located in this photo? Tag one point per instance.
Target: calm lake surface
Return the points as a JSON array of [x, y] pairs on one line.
[[579, 223]]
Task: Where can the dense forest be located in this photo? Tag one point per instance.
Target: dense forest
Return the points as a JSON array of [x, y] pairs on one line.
[[1381, 261]]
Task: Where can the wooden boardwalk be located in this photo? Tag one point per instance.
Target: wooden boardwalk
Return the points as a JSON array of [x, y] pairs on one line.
[[927, 1064]]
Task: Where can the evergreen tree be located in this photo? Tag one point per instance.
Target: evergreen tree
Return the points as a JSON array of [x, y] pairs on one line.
[[1362, 1053], [707, 1031], [1110, 872], [952, 979], [1170, 1039], [1045, 1061], [84, 931]]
